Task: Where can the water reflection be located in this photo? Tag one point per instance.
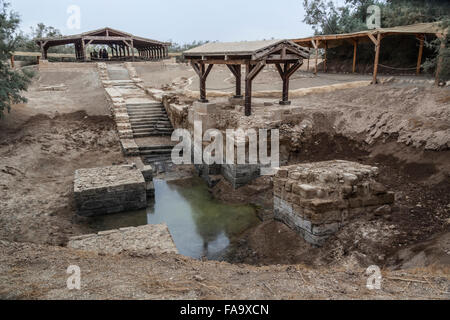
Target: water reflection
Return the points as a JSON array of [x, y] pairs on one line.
[[200, 225]]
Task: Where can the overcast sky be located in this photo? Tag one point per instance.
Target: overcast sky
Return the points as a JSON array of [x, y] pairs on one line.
[[177, 20]]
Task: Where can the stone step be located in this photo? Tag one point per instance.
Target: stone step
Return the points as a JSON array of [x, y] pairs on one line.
[[156, 152], [144, 130], [144, 107], [151, 124], [146, 110], [144, 104], [152, 134], [166, 147], [146, 113], [162, 129], [157, 159], [154, 117], [145, 118]]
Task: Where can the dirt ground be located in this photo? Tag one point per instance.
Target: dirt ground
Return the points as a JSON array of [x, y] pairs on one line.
[[44, 141]]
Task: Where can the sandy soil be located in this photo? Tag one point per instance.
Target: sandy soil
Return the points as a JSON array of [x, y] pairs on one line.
[[162, 74], [30, 271]]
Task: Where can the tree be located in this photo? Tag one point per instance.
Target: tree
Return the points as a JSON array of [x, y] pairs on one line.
[[12, 83]]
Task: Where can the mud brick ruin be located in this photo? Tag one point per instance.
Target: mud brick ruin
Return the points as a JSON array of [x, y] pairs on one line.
[[317, 199], [107, 190]]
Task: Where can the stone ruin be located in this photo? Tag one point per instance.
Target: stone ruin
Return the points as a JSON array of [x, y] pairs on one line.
[[140, 241], [107, 190], [317, 199]]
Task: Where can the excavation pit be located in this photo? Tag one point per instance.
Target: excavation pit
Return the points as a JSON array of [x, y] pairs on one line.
[[201, 226]]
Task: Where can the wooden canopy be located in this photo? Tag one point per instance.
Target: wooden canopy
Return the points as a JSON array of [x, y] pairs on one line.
[[284, 54], [122, 44], [375, 36]]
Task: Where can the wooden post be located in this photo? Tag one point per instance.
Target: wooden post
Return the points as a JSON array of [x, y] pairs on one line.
[[355, 48], [307, 69], [419, 58], [325, 57], [377, 58], [251, 72], [238, 81], [83, 46], [285, 96], [132, 50], [316, 47], [237, 72], [202, 73], [440, 58], [285, 74], [248, 91], [12, 61]]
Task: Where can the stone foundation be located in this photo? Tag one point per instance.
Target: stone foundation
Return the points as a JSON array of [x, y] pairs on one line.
[[107, 190], [141, 241], [317, 199], [240, 174]]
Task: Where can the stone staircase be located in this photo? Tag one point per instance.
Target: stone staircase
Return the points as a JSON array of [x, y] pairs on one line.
[[148, 120], [152, 154]]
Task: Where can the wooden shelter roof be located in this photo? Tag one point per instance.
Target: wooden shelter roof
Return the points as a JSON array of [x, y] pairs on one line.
[[102, 36], [335, 40], [251, 50]]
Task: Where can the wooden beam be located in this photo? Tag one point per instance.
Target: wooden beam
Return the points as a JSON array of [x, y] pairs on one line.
[[377, 58], [202, 73], [374, 40], [419, 58], [83, 50], [236, 71], [12, 61], [355, 48], [325, 58], [255, 70], [317, 55], [248, 91], [285, 74]]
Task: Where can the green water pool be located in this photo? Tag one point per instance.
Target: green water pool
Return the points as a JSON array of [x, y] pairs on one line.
[[201, 226]]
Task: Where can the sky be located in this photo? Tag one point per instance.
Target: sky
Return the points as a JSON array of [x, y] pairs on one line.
[[180, 21]]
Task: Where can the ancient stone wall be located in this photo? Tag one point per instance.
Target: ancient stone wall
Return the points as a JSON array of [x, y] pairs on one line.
[[107, 190], [317, 199], [141, 241]]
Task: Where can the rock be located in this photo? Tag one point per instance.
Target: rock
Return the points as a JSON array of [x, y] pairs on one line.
[[386, 209]]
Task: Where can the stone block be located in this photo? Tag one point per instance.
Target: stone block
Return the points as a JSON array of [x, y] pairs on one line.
[[317, 199], [107, 190], [142, 241], [147, 172]]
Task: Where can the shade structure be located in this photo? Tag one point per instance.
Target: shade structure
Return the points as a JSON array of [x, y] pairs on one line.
[[254, 55], [123, 45]]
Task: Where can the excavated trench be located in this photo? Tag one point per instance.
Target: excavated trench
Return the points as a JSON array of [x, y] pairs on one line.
[[222, 224], [421, 211]]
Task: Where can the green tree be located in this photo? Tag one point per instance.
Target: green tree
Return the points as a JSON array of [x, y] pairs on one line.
[[12, 83]]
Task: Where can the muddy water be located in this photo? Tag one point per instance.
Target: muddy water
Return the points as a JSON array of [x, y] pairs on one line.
[[200, 225]]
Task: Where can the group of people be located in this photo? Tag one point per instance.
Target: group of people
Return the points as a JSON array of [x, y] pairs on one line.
[[102, 54]]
